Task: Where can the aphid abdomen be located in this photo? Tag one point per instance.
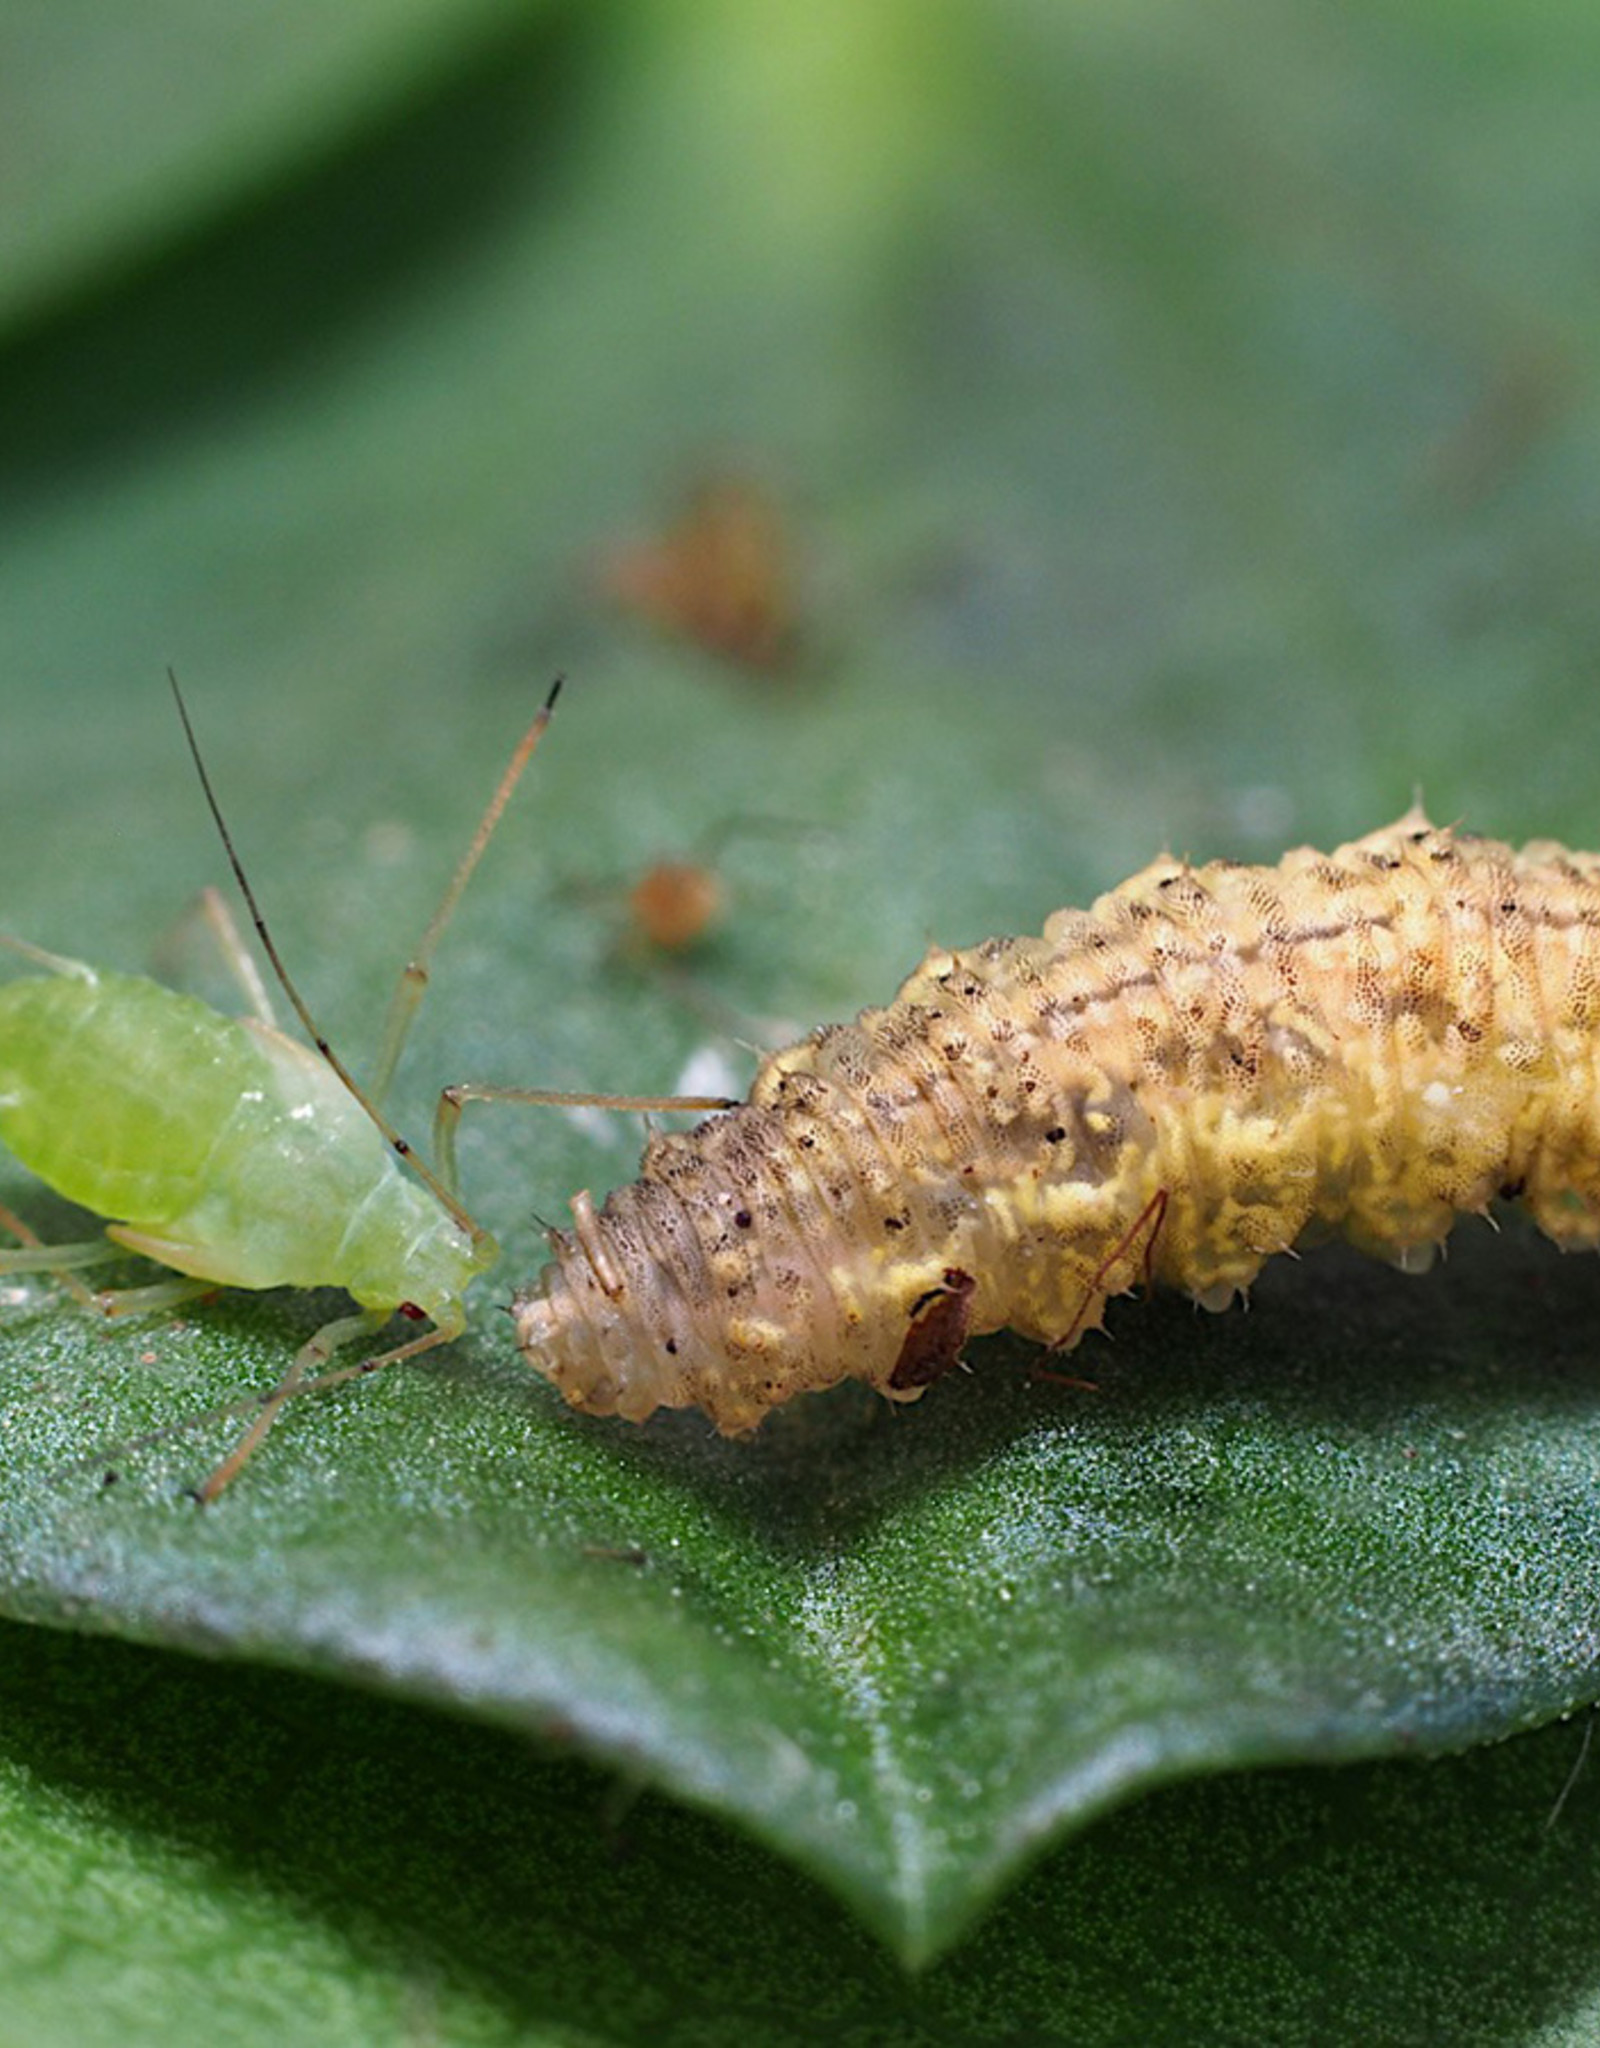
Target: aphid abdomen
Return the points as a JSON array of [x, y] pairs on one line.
[[1205, 1067], [114, 1089], [304, 1192], [215, 1145]]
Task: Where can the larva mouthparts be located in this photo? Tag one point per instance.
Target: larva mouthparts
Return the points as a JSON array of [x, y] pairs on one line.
[[1208, 1065]]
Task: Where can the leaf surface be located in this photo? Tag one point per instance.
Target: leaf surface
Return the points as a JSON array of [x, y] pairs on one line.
[[1174, 453]]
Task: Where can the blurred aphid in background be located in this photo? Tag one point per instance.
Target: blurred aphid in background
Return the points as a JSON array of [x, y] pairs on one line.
[[720, 574], [675, 904], [679, 902]]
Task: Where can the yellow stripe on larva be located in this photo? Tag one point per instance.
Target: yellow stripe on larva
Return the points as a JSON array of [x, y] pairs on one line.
[[1210, 1065]]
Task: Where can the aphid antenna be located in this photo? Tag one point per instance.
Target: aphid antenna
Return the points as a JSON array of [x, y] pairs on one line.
[[415, 978], [413, 982]]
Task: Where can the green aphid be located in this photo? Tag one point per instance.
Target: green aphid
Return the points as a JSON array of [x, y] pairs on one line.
[[237, 1156]]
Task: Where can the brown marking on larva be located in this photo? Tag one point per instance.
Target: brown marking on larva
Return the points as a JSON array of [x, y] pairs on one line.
[[939, 1323], [1204, 1067]]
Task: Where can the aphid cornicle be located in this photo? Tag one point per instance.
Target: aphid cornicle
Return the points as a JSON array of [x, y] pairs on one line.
[[237, 1156], [1208, 1066]]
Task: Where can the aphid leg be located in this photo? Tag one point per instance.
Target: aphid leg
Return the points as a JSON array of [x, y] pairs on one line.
[[65, 1261], [316, 1352], [1157, 1211], [210, 908], [447, 1117], [1154, 1214], [52, 963], [155, 1299], [1074, 1380], [59, 1260], [330, 1339]]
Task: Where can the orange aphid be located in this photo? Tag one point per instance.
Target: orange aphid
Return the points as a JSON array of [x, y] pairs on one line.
[[676, 903], [720, 575]]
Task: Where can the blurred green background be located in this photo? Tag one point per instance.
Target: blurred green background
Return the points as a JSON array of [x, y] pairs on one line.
[[1179, 429]]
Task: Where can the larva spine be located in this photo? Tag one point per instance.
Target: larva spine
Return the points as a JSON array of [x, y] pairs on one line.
[[1210, 1065]]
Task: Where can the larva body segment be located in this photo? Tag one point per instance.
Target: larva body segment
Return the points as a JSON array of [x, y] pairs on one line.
[[1208, 1066]]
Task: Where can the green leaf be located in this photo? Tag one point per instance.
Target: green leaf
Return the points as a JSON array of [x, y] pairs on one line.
[[127, 134], [1177, 452], [290, 1859]]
